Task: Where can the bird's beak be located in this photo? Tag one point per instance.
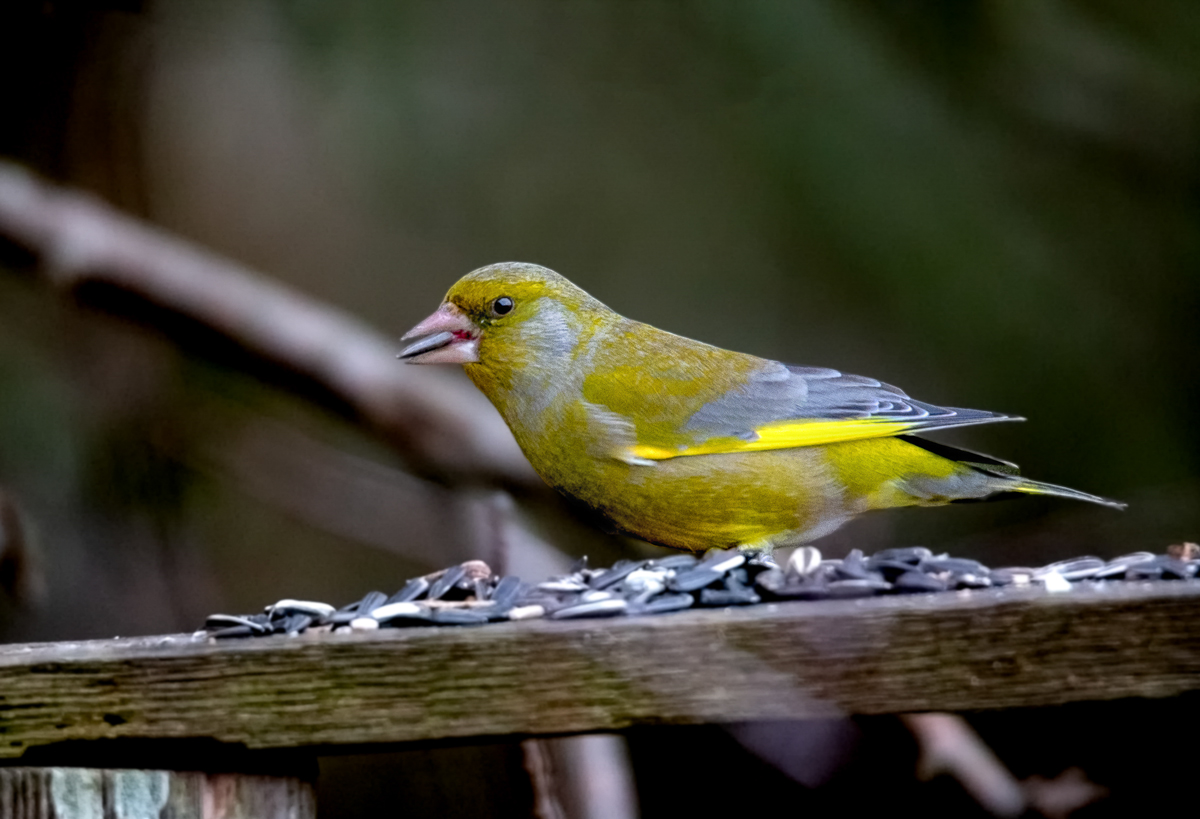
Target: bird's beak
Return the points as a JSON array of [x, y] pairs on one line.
[[449, 337]]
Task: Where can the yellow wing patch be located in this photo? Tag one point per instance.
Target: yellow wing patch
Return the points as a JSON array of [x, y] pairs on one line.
[[784, 436]]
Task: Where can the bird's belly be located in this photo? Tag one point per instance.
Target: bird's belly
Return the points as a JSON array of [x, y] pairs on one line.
[[760, 499]]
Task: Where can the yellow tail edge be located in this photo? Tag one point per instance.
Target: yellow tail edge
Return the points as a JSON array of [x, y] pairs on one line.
[[1028, 487]]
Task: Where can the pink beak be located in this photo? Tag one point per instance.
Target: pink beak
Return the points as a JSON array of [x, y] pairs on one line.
[[449, 338]]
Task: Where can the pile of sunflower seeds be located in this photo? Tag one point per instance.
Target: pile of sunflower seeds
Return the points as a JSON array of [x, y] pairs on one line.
[[470, 594]]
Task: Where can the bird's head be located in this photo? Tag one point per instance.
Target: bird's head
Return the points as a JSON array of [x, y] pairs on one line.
[[494, 311]]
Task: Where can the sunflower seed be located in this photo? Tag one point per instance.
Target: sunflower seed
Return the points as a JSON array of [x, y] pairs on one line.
[[526, 612], [693, 579], [598, 608], [446, 582], [890, 569], [400, 611], [762, 560], [233, 631], [564, 585], [642, 579], [810, 589], [953, 565], [221, 621], [1117, 567], [907, 554], [725, 597], [771, 580], [847, 589], [475, 570], [370, 602], [853, 567], [971, 581], [458, 617], [804, 562], [493, 614], [918, 582], [619, 571], [507, 591], [1159, 567], [412, 590], [1011, 576], [663, 603], [722, 562], [296, 623], [1079, 568], [1133, 557], [676, 562], [310, 607], [1175, 569], [1054, 582]]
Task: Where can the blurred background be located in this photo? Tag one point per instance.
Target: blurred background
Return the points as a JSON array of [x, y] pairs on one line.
[[991, 204]]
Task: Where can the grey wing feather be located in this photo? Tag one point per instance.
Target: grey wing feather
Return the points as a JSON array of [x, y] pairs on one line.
[[783, 392]]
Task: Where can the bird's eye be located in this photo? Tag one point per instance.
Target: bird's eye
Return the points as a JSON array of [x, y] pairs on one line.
[[502, 305]]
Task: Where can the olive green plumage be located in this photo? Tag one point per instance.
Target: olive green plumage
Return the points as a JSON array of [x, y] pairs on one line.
[[688, 445]]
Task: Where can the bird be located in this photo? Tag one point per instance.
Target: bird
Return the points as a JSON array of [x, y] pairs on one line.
[[690, 446]]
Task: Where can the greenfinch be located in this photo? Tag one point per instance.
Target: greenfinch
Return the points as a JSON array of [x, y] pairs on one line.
[[687, 445]]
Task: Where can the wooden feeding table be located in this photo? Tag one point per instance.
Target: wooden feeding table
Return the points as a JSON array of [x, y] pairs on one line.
[[939, 652]]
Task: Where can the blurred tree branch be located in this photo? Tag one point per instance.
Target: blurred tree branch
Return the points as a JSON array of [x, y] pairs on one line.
[[352, 497], [442, 429]]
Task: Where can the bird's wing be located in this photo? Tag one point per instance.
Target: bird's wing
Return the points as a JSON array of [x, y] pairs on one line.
[[780, 406]]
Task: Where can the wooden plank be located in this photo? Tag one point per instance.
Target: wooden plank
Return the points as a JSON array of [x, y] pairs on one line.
[[994, 649], [91, 793]]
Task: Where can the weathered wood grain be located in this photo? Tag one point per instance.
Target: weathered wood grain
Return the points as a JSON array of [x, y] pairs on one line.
[[89, 793], [1018, 647]]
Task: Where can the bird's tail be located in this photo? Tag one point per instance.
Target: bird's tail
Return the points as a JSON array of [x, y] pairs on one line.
[[1007, 477], [1028, 487]]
